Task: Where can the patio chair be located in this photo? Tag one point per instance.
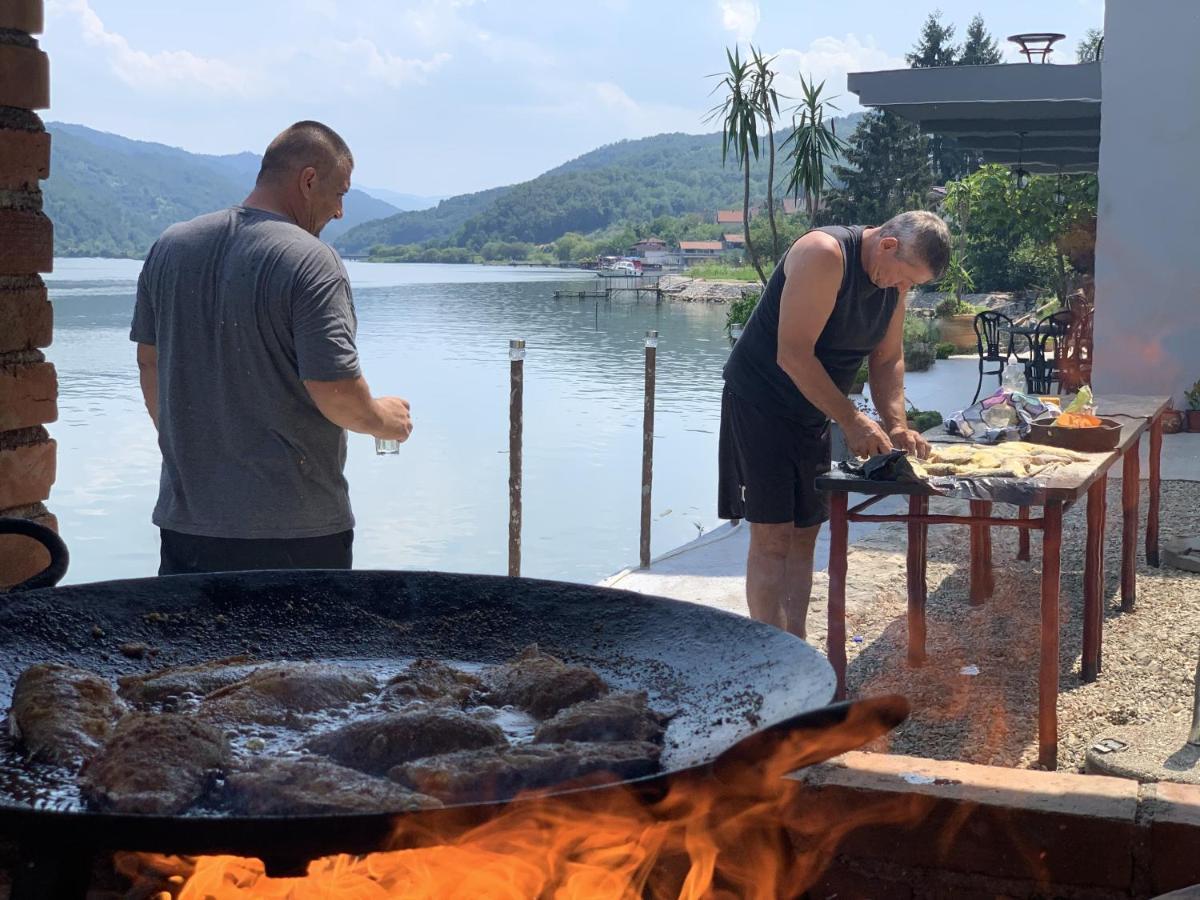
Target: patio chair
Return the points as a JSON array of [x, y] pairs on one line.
[[1042, 370], [993, 344]]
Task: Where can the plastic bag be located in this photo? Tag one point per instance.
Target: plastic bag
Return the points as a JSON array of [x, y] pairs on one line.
[[1004, 416]]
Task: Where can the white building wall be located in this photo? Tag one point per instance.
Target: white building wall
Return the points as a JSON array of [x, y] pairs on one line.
[[1147, 328]]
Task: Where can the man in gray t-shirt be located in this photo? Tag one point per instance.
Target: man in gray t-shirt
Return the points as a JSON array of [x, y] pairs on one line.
[[245, 328]]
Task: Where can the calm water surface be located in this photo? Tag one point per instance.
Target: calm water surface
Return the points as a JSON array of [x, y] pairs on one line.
[[437, 335]]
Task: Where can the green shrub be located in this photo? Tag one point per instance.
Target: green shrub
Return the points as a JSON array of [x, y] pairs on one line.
[[923, 420], [739, 310], [918, 357], [952, 306], [943, 350]]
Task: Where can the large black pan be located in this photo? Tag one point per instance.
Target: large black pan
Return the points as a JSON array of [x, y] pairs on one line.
[[734, 683]]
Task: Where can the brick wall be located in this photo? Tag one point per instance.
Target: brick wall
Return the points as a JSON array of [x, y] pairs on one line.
[[28, 384], [920, 829]]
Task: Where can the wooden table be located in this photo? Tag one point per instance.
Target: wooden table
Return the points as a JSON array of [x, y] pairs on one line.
[[1054, 494]]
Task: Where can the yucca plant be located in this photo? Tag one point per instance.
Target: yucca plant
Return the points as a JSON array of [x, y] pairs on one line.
[[739, 114], [814, 144], [762, 91]]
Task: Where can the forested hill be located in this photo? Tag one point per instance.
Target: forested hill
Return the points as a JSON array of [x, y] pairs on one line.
[[636, 181], [112, 196]]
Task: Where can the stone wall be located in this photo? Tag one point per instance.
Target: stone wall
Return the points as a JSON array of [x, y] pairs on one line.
[[28, 384]]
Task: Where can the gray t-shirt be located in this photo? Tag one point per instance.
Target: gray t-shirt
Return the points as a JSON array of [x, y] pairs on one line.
[[243, 305]]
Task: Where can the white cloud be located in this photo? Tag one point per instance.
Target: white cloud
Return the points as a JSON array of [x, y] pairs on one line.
[[829, 59], [740, 16], [168, 70], [392, 70]]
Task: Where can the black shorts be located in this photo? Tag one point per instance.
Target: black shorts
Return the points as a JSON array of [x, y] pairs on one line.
[[186, 554], [769, 467]]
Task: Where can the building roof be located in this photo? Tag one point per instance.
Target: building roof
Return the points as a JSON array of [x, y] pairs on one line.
[[1045, 117], [651, 242], [734, 238], [729, 215], [701, 245]]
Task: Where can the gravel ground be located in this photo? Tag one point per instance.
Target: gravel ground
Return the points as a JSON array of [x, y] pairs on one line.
[[1149, 656]]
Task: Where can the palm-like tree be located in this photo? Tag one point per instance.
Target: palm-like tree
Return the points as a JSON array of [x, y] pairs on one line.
[[739, 132], [762, 92], [813, 145]]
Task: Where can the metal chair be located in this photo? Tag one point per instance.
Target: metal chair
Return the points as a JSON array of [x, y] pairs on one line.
[[1042, 370], [993, 344]]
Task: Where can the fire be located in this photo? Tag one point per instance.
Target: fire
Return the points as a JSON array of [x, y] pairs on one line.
[[740, 830]]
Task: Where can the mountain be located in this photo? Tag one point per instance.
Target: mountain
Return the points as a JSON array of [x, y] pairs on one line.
[[636, 180], [405, 202], [112, 196]]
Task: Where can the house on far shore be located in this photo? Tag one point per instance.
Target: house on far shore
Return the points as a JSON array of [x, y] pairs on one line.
[[731, 216], [700, 251], [653, 251], [734, 241]]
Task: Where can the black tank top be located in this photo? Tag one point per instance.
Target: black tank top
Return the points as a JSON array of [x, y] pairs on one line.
[[859, 320]]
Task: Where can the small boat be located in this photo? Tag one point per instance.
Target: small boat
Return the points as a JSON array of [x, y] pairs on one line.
[[615, 267]]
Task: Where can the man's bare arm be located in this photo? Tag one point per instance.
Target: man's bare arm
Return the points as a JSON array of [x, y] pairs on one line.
[[814, 269], [147, 361], [348, 403]]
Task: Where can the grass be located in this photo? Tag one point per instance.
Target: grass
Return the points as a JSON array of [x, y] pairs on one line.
[[722, 272]]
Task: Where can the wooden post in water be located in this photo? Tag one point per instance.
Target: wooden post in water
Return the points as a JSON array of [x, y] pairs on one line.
[[516, 420], [648, 446]]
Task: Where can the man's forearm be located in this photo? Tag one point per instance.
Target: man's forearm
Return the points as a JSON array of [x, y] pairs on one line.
[[887, 392], [148, 376], [818, 388]]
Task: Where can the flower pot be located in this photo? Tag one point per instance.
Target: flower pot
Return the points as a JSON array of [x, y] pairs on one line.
[[1193, 420], [1172, 421], [959, 330]]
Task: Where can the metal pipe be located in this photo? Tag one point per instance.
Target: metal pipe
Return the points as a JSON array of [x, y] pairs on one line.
[[516, 421], [648, 446]]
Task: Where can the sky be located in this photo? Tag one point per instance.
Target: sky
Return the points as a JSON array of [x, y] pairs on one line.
[[441, 97]]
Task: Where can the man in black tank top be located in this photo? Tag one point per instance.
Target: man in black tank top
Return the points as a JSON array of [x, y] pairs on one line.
[[835, 299]]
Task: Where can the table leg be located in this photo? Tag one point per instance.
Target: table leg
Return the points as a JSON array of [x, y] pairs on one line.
[[1093, 580], [1023, 536], [1130, 489], [918, 533], [1156, 435], [982, 583], [1048, 664], [835, 642]]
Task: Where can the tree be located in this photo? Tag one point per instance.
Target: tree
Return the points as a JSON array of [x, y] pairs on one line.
[[1091, 48], [739, 133], [813, 145], [887, 171], [980, 48], [934, 47], [762, 91]]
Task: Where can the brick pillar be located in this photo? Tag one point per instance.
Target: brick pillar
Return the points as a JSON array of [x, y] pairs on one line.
[[28, 384]]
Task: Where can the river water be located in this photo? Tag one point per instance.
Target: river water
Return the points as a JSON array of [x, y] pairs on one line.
[[437, 335]]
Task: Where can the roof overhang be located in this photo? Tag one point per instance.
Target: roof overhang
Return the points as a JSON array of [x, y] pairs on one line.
[[1047, 117]]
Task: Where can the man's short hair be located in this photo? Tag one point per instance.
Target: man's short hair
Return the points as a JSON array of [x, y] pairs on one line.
[[304, 144], [923, 237]]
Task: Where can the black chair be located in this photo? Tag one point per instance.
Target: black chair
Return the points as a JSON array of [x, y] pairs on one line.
[[993, 344], [1042, 369]]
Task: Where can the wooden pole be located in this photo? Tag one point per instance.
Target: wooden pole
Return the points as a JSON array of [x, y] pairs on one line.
[[1093, 580], [835, 641], [516, 421], [1156, 436], [1130, 489], [1023, 540], [982, 579], [648, 446], [917, 587], [1048, 663]]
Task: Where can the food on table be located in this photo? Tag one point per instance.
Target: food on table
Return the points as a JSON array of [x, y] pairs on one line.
[[540, 684], [1077, 420], [312, 785], [617, 717], [499, 773], [277, 694], [1012, 459], [62, 715], [155, 764], [375, 744]]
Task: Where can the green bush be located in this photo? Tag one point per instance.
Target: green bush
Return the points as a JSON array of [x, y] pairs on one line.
[[739, 311], [923, 420], [952, 306], [918, 357], [943, 350]]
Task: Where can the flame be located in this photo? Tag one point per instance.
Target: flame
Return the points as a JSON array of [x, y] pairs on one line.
[[739, 830]]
